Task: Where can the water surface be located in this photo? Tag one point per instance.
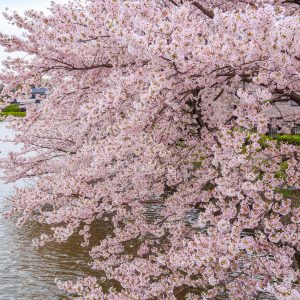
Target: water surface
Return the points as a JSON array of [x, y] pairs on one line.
[[27, 273]]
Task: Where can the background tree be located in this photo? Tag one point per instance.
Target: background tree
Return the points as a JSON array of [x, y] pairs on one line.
[[158, 103]]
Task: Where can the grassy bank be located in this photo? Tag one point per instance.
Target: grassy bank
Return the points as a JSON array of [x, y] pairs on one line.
[[13, 113], [12, 110], [292, 139], [288, 138]]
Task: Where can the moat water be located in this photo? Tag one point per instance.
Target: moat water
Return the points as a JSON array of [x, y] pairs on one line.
[[27, 273]]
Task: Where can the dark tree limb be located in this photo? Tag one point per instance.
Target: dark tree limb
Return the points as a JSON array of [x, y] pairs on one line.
[[206, 11], [287, 96], [295, 97], [172, 1], [219, 95], [292, 2]]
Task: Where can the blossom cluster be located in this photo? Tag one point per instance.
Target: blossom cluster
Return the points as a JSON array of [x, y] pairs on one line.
[[161, 105]]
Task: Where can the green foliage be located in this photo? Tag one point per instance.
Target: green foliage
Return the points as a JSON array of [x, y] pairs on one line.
[[281, 173], [289, 139], [292, 139], [263, 141], [197, 164], [288, 193], [13, 113], [12, 108], [260, 175], [244, 149], [181, 144]]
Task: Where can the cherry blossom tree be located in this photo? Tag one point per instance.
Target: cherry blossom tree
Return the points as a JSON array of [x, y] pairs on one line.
[[161, 105]]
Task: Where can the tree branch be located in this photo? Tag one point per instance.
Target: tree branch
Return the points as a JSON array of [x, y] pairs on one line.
[[173, 2], [295, 97], [207, 12], [292, 2]]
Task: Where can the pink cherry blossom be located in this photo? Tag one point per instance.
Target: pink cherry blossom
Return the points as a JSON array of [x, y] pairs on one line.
[[152, 143]]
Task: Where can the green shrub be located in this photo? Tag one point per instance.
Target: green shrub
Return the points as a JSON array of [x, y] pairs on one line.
[[13, 113], [288, 138], [12, 108]]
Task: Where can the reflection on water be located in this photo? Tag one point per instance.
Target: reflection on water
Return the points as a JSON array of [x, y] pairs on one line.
[[27, 273]]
